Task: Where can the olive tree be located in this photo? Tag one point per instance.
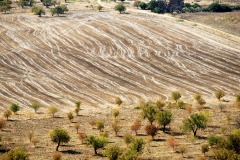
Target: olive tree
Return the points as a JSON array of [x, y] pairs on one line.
[[35, 106], [120, 7], [59, 136], [176, 96], [113, 152], [7, 113], [52, 110], [37, 10], [14, 108], [149, 112], [5, 5], [96, 142], [164, 118], [219, 94], [194, 123]]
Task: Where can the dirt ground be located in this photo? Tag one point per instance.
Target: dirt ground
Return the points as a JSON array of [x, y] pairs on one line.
[[228, 22], [95, 56], [19, 125]]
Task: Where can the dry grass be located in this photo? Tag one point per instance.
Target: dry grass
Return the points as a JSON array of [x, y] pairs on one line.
[[228, 22], [41, 124]]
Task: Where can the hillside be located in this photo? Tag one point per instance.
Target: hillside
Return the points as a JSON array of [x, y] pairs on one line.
[[96, 56]]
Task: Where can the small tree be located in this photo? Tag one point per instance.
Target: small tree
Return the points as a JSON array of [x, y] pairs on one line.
[[149, 112], [128, 139], [118, 101], [120, 7], [197, 97], [143, 5], [57, 156], [35, 106], [35, 141], [180, 104], [176, 96], [78, 104], [221, 106], [116, 127], [17, 153], [201, 102], [77, 126], [59, 136], [115, 112], [37, 10], [30, 135], [70, 116], [81, 137], [100, 125], [14, 108], [136, 126], [59, 10], [2, 123], [219, 94], [96, 142], [182, 149], [204, 148], [5, 5], [164, 118], [113, 152], [159, 104], [7, 113], [52, 110], [137, 145], [99, 8], [172, 142], [151, 130], [77, 111], [194, 123]]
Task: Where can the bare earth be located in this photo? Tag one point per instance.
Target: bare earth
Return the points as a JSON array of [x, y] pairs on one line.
[[95, 56], [228, 22]]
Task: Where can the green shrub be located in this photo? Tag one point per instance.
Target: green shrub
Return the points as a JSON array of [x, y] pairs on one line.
[[137, 144], [204, 148], [216, 7], [164, 118], [14, 107], [17, 153], [216, 141], [113, 152], [100, 125], [143, 5], [96, 142], [121, 8], [59, 136]]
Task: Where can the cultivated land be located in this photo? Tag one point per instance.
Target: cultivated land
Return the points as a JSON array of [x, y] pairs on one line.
[[94, 57]]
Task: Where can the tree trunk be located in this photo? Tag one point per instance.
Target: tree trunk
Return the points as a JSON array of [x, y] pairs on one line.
[[195, 133], [95, 150], [164, 127], [58, 145]]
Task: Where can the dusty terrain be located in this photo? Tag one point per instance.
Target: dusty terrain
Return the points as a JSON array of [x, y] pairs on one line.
[[228, 22], [15, 134], [96, 56]]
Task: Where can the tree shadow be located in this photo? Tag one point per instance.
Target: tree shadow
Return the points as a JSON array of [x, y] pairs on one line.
[[159, 140], [201, 137], [71, 152]]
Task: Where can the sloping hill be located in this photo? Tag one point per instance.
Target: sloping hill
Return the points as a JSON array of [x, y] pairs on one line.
[[96, 56]]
